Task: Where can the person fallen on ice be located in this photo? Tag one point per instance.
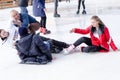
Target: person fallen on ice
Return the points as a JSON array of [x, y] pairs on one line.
[[9, 37], [32, 49], [56, 47], [22, 19], [99, 40]]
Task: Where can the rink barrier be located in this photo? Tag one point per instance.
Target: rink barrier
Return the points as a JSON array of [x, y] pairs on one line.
[[9, 3]]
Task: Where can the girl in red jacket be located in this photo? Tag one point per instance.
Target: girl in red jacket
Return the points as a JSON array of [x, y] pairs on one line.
[[99, 40]]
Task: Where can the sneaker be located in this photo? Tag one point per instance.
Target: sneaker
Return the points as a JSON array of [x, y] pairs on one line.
[[77, 49], [41, 29], [69, 49], [48, 32], [45, 31]]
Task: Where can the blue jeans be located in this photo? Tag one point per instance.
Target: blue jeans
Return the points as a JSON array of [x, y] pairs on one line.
[[24, 10]]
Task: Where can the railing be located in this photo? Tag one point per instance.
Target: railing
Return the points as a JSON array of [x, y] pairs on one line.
[[9, 3]]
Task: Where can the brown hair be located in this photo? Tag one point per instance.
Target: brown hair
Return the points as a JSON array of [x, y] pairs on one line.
[[3, 39], [33, 27], [98, 19], [0, 32]]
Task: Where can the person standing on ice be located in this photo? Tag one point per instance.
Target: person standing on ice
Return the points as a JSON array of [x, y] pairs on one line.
[[99, 40], [23, 5], [79, 5], [39, 11]]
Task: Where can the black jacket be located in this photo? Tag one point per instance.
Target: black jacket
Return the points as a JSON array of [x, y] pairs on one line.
[[23, 3], [32, 46]]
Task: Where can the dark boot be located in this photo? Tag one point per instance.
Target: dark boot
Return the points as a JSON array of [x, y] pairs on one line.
[[84, 12], [77, 12], [56, 15]]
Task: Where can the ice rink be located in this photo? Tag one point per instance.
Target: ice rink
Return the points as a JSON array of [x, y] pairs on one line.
[[76, 66]]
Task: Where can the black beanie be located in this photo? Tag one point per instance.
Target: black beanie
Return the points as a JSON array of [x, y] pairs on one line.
[[23, 31]]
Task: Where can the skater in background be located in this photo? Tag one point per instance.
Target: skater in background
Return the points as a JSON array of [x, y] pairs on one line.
[[99, 40], [23, 5], [39, 11], [55, 8], [79, 5]]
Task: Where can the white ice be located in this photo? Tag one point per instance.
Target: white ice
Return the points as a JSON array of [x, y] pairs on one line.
[[77, 66]]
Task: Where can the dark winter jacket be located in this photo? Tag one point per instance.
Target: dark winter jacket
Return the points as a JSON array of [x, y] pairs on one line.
[[23, 3], [32, 47], [38, 8], [26, 19]]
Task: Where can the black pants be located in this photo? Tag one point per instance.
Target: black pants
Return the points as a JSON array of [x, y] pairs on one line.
[[55, 46], [87, 41], [79, 4], [43, 21], [56, 6]]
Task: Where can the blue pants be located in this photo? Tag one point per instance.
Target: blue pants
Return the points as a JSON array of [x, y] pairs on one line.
[[24, 10]]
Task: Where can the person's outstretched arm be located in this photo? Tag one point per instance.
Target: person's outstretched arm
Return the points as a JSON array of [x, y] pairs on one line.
[[81, 31]]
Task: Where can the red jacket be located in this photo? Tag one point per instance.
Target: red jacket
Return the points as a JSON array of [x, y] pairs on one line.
[[103, 41]]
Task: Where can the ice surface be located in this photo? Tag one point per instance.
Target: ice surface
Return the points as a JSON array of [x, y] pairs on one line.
[[77, 66]]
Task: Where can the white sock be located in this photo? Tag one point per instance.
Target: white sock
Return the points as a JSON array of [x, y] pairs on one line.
[[69, 49]]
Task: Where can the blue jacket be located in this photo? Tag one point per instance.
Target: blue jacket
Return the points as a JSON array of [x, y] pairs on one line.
[[38, 8], [33, 46], [26, 19]]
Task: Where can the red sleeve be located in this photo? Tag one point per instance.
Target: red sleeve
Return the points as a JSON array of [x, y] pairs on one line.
[[107, 34], [83, 31], [112, 44]]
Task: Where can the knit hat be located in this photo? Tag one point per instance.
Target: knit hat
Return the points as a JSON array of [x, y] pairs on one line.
[[23, 31]]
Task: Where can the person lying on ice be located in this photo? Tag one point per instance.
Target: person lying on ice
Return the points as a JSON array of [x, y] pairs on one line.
[[99, 40], [8, 37], [32, 49]]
